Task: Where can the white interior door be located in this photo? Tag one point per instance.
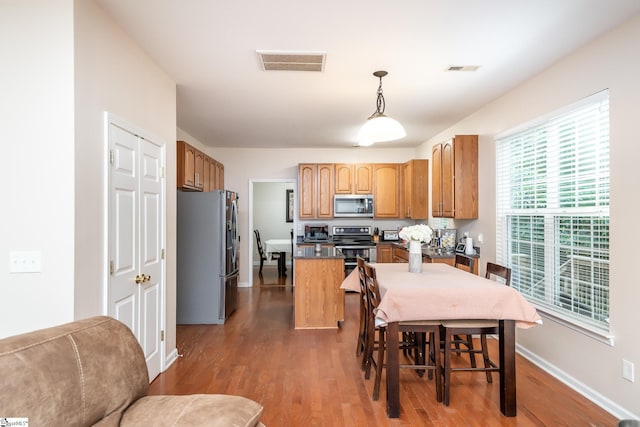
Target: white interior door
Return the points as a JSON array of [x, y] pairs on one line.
[[136, 224]]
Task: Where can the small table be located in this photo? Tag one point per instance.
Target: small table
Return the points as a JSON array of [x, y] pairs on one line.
[[282, 247]]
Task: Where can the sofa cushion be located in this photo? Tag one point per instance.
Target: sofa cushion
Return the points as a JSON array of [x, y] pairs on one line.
[[193, 410], [77, 373]]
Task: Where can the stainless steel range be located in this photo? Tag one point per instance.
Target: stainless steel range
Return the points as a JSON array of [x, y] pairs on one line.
[[353, 241]]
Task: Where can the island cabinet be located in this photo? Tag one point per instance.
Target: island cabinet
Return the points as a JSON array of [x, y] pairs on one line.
[[318, 300], [353, 178], [316, 189], [386, 190], [454, 191], [416, 189]]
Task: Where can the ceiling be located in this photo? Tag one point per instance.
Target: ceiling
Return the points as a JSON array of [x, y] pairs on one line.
[[225, 99]]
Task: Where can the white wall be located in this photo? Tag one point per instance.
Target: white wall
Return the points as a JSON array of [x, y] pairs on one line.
[[608, 62], [112, 74], [63, 64], [37, 164]]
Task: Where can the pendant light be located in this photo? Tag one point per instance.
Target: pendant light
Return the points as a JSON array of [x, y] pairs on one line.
[[380, 128]]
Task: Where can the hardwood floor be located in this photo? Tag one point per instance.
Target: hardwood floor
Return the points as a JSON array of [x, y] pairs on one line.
[[312, 378]]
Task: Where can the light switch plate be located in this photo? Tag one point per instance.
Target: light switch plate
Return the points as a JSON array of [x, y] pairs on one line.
[[24, 261]]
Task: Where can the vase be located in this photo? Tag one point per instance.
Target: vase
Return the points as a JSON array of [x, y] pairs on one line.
[[415, 256]]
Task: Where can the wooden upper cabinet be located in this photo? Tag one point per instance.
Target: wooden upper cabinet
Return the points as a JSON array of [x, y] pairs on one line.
[[416, 189], [363, 178], [197, 171], [344, 173], [455, 178], [219, 176], [325, 191], [386, 190], [207, 184], [307, 173], [353, 178], [316, 189], [186, 167]]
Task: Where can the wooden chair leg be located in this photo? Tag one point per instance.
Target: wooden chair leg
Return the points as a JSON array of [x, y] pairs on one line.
[[472, 354], [261, 265], [485, 356], [379, 363], [447, 367], [434, 338], [362, 331]]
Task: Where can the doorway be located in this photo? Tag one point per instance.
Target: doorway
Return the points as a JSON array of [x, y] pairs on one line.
[[269, 203]]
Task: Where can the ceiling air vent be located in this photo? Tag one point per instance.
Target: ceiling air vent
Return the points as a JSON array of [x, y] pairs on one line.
[[463, 67], [291, 61]]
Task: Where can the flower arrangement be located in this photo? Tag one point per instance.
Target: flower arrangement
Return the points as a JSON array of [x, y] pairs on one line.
[[417, 233]]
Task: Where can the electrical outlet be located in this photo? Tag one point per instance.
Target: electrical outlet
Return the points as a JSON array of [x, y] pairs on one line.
[[24, 262], [628, 370]]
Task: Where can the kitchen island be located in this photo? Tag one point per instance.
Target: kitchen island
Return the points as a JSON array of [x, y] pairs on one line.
[[318, 301]]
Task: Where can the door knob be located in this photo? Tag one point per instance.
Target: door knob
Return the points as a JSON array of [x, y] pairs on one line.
[[147, 277], [139, 279]]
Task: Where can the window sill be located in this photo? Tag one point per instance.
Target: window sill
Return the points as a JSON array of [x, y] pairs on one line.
[[598, 335]]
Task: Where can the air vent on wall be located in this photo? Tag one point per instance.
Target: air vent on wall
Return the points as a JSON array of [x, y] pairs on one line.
[[291, 61], [463, 67]]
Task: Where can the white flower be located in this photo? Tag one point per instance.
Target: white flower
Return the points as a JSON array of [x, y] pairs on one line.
[[420, 233]]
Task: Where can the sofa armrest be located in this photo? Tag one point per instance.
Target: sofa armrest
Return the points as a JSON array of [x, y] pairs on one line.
[[211, 410]]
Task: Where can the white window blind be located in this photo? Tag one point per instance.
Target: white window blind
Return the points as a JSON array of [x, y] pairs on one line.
[[553, 211]]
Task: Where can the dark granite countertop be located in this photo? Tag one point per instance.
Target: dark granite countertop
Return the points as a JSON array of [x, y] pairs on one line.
[[432, 252]]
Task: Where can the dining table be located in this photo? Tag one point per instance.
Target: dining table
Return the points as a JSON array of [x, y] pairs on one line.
[[443, 292], [281, 247]]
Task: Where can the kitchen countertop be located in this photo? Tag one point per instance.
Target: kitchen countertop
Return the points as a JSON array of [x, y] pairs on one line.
[[431, 252]]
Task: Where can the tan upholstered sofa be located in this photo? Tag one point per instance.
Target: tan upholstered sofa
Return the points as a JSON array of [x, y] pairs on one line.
[[93, 372]]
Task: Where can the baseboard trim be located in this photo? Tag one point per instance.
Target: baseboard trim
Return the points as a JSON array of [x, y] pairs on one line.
[[591, 394], [171, 357]]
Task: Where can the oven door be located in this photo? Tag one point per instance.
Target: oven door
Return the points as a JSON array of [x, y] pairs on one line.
[[350, 253]]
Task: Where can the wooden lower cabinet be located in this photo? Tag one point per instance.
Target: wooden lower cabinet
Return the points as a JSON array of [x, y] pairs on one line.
[[384, 252], [319, 301]]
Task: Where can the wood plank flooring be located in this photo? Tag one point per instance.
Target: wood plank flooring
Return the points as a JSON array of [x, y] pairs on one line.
[[312, 378]]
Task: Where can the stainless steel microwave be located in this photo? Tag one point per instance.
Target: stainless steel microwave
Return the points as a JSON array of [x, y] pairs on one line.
[[353, 205]]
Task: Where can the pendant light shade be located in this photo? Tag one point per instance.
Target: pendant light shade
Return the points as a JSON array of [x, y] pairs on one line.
[[380, 128]]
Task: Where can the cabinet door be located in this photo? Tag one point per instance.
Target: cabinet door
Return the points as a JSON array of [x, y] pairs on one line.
[[363, 178], [405, 208], [199, 169], [206, 172], [465, 159], [384, 252], [307, 190], [400, 255], [447, 180], [186, 160], [344, 174], [416, 189], [386, 187], [325, 191], [436, 180], [219, 185]]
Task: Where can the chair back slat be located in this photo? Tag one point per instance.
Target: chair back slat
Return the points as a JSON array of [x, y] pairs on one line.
[[259, 243], [499, 271], [373, 292]]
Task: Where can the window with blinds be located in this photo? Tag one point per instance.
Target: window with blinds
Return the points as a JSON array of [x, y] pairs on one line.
[[553, 211]]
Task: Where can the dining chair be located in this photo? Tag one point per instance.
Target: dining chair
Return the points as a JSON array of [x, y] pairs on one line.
[[362, 330], [456, 328], [418, 329], [263, 256]]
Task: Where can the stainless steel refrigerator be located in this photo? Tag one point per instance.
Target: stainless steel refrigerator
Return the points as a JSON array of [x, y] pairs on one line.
[[208, 256]]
